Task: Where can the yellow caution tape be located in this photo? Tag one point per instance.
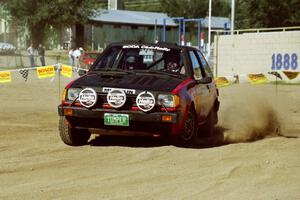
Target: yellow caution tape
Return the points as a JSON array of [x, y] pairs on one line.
[[45, 72], [257, 78], [222, 81], [66, 71], [291, 75], [5, 77]]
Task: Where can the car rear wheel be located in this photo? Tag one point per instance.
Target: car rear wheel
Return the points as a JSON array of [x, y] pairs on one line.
[[71, 136]]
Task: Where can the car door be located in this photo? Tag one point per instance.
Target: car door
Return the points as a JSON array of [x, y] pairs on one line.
[[211, 86], [200, 92]]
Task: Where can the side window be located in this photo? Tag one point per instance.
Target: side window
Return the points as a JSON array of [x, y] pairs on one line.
[[107, 58], [183, 64], [195, 65], [118, 60], [205, 64]]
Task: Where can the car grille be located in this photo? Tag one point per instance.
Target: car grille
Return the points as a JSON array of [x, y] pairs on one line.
[[130, 102]]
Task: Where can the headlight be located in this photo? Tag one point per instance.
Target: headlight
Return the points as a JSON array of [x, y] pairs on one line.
[[73, 93], [64, 94], [168, 100]]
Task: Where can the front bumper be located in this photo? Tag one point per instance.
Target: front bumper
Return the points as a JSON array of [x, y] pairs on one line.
[[93, 119]]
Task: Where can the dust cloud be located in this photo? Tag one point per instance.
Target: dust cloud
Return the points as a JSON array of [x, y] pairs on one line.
[[250, 115]]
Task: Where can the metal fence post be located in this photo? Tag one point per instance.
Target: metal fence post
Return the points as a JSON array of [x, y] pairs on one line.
[[164, 29], [199, 34], [184, 38], [179, 31]]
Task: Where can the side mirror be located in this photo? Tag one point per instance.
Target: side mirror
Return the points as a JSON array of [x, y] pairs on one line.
[[205, 80], [81, 72]]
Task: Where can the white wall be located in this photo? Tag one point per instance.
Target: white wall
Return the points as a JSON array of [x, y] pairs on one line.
[[252, 53]]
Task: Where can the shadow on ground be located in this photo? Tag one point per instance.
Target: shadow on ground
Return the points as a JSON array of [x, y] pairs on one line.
[[128, 141], [132, 141]]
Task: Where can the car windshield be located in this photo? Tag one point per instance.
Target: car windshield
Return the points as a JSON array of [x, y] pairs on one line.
[[142, 58], [91, 55]]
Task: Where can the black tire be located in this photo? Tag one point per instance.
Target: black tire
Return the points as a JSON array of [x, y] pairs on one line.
[[70, 136], [188, 134]]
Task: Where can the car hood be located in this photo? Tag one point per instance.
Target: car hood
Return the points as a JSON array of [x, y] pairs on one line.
[[128, 81]]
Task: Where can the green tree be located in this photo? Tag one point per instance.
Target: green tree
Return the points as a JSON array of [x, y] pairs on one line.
[[184, 8], [241, 15], [195, 8], [38, 14], [267, 13], [220, 8], [142, 5]]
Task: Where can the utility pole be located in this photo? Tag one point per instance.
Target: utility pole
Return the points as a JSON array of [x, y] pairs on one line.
[[155, 32], [209, 29], [93, 37], [232, 16], [5, 31]]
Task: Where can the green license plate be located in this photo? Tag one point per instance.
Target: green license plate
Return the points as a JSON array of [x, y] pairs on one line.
[[112, 119]]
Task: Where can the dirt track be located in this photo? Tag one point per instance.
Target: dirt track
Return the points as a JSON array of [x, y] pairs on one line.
[[35, 164]]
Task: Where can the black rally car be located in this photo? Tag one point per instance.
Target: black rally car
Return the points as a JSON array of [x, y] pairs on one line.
[[141, 89]]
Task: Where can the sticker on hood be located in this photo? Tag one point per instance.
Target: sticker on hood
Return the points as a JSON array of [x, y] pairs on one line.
[[116, 98], [88, 97], [145, 101], [127, 91]]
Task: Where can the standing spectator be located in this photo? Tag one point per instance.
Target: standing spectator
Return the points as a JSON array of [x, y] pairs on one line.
[[30, 51], [71, 57], [77, 55], [41, 54], [81, 56]]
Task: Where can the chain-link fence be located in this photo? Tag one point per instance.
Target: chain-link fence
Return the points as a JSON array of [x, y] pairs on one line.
[[20, 59]]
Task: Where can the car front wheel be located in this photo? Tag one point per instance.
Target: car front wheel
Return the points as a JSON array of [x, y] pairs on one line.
[[188, 134], [71, 136]]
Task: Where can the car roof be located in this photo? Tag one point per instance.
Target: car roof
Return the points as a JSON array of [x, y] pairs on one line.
[[159, 44]]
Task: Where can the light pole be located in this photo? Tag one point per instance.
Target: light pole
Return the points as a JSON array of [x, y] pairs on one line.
[[209, 29], [232, 16]]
